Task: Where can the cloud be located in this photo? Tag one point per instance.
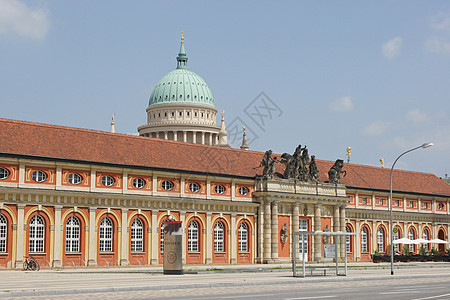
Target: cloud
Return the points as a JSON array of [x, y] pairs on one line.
[[438, 45], [342, 104], [391, 49], [17, 17], [376, 128], [441, 21], [417, 116]]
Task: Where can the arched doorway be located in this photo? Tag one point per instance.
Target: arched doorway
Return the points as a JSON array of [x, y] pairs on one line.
[[441, 236]]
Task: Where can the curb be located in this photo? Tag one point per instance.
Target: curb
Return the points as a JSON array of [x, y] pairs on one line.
[[205, 285]]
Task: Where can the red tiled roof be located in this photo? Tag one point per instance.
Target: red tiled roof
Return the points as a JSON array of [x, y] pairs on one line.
[[52, 141]]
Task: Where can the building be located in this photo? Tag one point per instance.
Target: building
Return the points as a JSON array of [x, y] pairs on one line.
[[75, 197]]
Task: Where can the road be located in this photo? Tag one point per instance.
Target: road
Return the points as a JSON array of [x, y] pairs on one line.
[[399, 289]]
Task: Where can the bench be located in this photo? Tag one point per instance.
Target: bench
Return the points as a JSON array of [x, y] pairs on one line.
[[322, 270]]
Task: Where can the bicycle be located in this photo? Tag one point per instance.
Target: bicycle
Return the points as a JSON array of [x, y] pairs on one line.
[[30, 264]]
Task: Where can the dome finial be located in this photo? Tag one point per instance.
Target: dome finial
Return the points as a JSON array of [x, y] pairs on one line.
[[182, 58]]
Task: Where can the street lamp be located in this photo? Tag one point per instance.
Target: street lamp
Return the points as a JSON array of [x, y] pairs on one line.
[[423, 146]]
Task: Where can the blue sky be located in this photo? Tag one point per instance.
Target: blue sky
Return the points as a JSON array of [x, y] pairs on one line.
[[371, 75]]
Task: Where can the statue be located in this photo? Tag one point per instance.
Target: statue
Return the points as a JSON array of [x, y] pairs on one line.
[[269, 164], [313, 170], [284, 233], [288, 160], [326, 238], [334, 174], [298, 161], [305, 161]]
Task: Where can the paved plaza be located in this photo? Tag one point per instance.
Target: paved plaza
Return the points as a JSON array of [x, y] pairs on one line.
[[123, 281]]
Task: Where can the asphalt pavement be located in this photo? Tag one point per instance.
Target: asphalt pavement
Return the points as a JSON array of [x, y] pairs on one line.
[[15, 283]]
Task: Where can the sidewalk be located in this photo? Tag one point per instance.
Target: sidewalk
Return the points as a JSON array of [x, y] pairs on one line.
[[69, 281]]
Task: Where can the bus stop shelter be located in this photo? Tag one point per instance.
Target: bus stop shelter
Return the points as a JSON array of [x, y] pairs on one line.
[[303, 237]]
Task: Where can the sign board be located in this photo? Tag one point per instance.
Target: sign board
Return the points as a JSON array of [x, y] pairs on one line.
[[173, 248], [395, 230], [329, 250]]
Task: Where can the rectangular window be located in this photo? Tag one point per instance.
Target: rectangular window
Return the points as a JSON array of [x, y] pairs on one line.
[[397, 203], [411, 204], [364, 200], [380, 201]]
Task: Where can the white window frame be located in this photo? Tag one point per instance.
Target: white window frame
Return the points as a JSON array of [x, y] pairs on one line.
[[219, 237], [4, 173], [193, 236], [194, 187], [243, 237], [219, 189], [411, 237], [73, 235], [137, 235], [347, 240], [106, 235], [167, 185], [364, 234], [243, 190], [3, 233], [39, 176], [395, 236], [75, 178], [37, 234], [108, 180], [139, 183], [380, 239]]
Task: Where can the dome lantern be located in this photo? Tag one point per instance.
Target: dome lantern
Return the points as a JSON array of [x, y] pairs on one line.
[[182, 58]]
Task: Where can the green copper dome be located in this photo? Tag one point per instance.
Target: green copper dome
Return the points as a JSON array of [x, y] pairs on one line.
[[181, 86]]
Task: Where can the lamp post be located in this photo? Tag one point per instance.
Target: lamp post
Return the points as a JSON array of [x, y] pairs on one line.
[[423, 146]]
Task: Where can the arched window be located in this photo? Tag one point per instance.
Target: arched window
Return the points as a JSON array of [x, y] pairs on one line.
[[364, 239], [395, 237], [219, 242], [106, 235], [243, 237], [137, 235], [193, 236], [425, 235], [37, 234], [3, 232], [380, 239], [347, 240], [161, 236], [411, 237], [73, 234]]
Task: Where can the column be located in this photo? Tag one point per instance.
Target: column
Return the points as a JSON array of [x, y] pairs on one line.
[[57, 245], [259, 234], [92, 259], [20, 235], [274, 232], [233, 239], [295, 225], [124, 256], [335, 220], [194, 137], [203, 138], [175, 136], [184, 136], [317, 227], [209, 240], [165, 135], [267, 231], [155, 238], [157, 135], [342, 228], [358, 240], [210, 139], [184, 236]]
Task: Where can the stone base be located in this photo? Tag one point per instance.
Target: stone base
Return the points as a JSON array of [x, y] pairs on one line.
[[92, 263], [124, 262], [154, 261], [56, 264]]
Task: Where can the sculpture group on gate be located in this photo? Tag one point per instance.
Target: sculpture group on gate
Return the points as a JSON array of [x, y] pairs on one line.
[[300, 166]]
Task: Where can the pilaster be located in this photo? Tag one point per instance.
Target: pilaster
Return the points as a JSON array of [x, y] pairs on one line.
[[92, 258], [274, 230], [155, 238], [209, 240], [267, 231], [124, 253], [233, 239], [57, 244], [20, 235], [317, 227]]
